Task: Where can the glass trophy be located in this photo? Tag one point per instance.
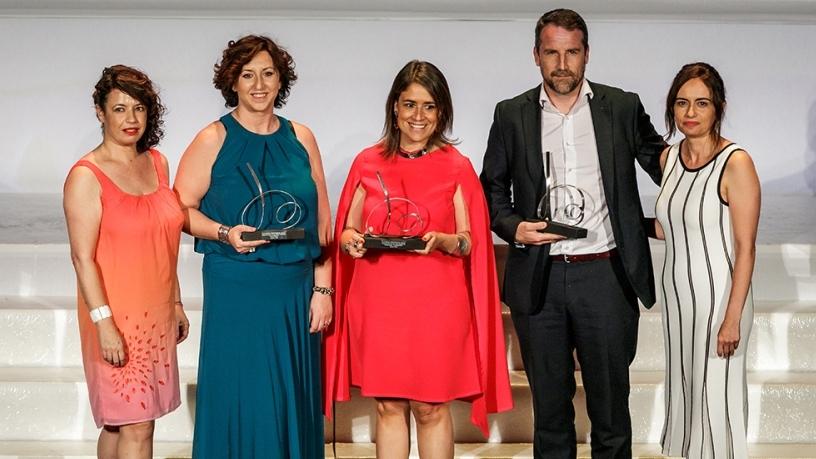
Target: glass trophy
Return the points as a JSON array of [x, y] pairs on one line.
[[394, 224], [563, 207], [276, 214]]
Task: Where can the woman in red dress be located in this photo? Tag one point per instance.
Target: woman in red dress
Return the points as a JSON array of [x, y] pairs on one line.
[[417, 329]]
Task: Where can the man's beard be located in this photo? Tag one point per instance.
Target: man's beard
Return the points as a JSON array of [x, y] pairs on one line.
[[563, 86]]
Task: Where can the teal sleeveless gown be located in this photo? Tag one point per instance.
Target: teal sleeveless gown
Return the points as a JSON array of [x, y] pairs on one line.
[[258, 393]]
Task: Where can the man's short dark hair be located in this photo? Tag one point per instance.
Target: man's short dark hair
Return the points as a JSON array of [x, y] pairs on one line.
[[564, 18]]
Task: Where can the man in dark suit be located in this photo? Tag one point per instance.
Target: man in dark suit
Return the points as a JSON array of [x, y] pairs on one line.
[[573, 294]]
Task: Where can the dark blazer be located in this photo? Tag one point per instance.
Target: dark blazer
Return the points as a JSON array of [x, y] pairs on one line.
[[513, 161]]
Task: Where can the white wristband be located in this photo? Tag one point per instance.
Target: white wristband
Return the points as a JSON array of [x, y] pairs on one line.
[[102, 312]]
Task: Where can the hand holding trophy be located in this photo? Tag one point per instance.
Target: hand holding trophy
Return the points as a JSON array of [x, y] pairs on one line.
[[277, 225], [394, 224]]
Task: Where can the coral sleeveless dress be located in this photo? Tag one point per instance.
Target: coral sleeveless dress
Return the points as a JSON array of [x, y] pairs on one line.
[[136, 256]]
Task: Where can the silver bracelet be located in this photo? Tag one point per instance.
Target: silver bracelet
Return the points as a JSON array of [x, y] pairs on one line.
[[462, 244], [102, 312], [223, 233]]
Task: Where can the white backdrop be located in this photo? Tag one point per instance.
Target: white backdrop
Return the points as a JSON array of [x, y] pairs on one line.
[[49, 66]]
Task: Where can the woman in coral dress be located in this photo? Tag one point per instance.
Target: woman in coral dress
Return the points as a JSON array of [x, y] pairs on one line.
[[417, 330], [124, 224]]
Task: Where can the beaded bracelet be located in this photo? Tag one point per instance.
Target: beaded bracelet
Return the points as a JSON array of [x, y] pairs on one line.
[[323, 290]]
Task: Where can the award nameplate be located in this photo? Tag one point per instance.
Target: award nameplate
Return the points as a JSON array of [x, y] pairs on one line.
[[394, 224], [280, 224], [274, 235], [563, 207], [393, 243]]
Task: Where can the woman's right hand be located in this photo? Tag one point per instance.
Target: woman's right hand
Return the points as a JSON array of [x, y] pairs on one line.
[[351, 242], [111, 343], [241, 246]]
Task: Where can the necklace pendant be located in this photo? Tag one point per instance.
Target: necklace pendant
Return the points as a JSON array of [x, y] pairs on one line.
[[413, 154]]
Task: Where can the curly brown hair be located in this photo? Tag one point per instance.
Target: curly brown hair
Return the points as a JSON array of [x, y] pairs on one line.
[[238, 53], [431, 78], [136, 84]]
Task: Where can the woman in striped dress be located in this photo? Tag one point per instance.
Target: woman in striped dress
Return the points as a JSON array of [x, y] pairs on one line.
[[707, 211]]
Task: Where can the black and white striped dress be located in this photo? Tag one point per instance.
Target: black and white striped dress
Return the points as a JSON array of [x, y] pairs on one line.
[[706, 396]]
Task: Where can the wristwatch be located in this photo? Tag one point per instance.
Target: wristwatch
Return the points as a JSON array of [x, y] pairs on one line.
[[223, 233]]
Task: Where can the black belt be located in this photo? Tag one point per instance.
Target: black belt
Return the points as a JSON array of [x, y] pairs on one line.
[[584, 257]]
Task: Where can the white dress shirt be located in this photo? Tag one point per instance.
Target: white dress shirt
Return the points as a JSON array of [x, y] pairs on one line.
[[570, 140]]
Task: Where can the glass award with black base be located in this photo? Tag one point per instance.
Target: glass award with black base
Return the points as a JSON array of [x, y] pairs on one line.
[[563, 206], [394, 224], [275, 213]]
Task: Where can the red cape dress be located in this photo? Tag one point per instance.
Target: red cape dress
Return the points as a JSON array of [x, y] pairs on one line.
[[419, 327]]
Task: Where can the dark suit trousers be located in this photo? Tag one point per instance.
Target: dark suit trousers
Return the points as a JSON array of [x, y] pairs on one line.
[[589, 307]]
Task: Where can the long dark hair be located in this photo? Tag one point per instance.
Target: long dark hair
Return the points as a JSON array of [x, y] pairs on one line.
[[431, 78], [136, 84], [712, 79]]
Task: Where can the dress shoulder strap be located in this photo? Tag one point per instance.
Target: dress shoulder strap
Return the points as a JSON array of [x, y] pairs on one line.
[[157, 164], [285, 123], [674, 152], [723, 157], [719, 165], [731, 148], [672, 158], [104, 181], [228, 121]]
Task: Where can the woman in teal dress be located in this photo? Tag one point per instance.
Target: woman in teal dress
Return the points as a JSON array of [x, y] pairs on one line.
[[265, 303]]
